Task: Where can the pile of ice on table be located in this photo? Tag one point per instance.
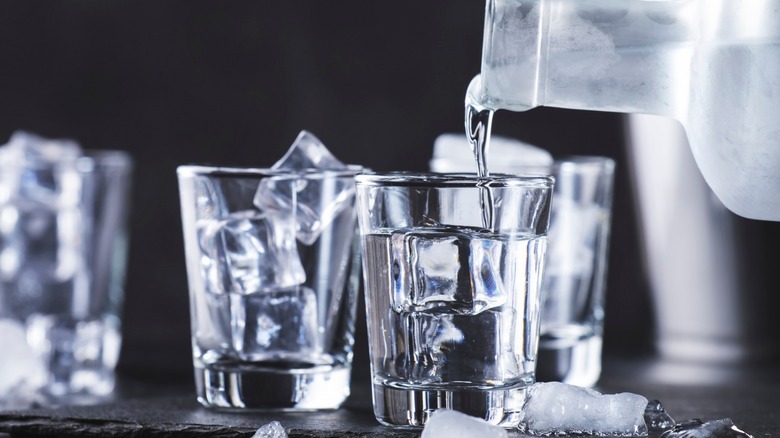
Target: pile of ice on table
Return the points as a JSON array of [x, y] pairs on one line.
[[557, 409], [21, 371], [273, 429]]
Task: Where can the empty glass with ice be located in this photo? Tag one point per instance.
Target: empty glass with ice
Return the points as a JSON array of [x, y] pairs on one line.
[[452, 299], [273, 270], [574, 283]]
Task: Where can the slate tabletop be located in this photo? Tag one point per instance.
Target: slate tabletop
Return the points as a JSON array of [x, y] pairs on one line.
[[140, 408]]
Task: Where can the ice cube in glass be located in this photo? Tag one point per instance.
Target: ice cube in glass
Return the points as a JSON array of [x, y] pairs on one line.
[[251, 251], [278, 325], [447, 267], [314, 200]]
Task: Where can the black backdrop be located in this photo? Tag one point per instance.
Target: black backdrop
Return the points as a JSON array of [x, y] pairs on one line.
[[233, 82]]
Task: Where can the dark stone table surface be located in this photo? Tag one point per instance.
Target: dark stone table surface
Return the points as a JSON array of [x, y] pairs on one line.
[[750, 396]]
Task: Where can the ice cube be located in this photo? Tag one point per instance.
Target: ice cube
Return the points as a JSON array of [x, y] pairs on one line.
[[452, 153], [656, 417], [308, 152], [212, 313], [273, 429], [272, 325], [315, 199], [34, 149], [211, 202], [249, 252], [22, 372], [40, 217], [443, 347], [723, 428], [454, 424], [427, 269], [40, 169], [41, 239], [485, 258], [450, 268], [555, 408], [80, 354]]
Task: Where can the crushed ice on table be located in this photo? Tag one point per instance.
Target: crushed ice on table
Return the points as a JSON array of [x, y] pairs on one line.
[[453, 424], [315, 200], [723, 428], [22, 373], [273, 429], [555, 408], [447, 267], [656, 417], [250, 251]]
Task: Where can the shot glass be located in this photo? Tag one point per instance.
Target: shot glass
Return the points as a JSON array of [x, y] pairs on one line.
[[573, 288], [63, 248], [452, 267], [273, 269]]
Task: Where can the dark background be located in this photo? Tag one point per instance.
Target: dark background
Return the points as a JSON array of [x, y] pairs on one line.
[[233, 82]]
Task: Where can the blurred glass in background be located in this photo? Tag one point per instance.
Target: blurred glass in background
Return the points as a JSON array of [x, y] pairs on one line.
[[63, 246]]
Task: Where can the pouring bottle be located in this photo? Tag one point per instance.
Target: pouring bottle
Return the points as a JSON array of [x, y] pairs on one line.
[[712, 65]]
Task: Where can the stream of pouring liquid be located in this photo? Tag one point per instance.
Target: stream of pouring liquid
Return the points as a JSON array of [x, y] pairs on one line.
[[479, 122]]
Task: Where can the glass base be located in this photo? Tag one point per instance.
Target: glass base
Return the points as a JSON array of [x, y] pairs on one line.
[[406, 407], [247, 387], [576, 362], [84, 387]]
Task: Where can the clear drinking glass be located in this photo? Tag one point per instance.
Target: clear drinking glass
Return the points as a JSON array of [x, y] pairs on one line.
[[452, 295], [575, 275], [63, 249], [273, 273]]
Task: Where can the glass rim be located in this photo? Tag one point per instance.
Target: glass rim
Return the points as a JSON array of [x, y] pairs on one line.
[[463, 180], [573, 165], [580, 163], [90, 160], [258, 172], [566, 163], [107, 157]]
